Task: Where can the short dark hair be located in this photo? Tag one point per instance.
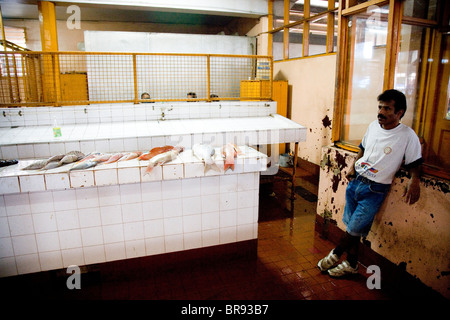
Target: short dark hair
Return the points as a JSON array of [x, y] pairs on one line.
[[398, 97]]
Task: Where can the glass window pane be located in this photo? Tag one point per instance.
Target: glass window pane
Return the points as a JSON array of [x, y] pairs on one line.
[[318, 36], [366, 72], [278, 13], [335, 41], [277, 46], [408, 67], [424, 9], [296, 11], [296, 41], [296, 33]]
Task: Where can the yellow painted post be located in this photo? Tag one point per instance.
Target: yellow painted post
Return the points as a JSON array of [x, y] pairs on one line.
[[136, 97], [49, 40], [208, 79]]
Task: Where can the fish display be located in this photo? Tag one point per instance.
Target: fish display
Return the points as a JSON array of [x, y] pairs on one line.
[[205, 153], [155, 151], [162, 158], [54, 161], [230, 151]]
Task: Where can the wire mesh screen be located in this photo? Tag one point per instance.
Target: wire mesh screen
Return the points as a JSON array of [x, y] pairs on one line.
[[42, 78]]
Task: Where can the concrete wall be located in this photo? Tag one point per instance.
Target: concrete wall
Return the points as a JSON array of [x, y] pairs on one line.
[[311, 100], [413, 236]]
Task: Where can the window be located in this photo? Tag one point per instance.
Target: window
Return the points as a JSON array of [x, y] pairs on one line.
[[399, 46], [303, 28], [367, 54]]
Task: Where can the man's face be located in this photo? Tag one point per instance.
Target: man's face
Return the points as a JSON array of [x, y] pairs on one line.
[[387, 117]]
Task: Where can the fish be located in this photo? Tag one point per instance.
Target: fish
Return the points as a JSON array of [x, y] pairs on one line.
[[52, 165], [55, 158], [59, 160], [230, 151], [164, 157], [103, 157], [84, 165], [77, 153], [205, 153], [115, 157], [155, 151], [69, 158], [90, 156], [41, 164], [130, 155], [36, 165]]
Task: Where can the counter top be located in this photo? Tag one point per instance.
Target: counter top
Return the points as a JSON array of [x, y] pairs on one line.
[[131, 129]]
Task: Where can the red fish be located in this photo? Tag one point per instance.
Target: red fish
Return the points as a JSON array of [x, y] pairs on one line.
[[130, 155], [155, 151], [114, 158], [230, 151]]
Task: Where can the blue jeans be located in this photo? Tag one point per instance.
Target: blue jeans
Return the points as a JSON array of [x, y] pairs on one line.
[[363, 200]]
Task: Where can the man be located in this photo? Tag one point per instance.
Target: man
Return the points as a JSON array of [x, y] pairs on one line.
[[385, 146]]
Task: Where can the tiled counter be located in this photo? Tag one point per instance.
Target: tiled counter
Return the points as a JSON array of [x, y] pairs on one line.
[[105, 218], [55, 218]]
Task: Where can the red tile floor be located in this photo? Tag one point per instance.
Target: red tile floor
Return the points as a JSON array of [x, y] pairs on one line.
[[284, 269]]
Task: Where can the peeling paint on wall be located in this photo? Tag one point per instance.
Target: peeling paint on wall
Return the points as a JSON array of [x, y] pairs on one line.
[[326, 122]]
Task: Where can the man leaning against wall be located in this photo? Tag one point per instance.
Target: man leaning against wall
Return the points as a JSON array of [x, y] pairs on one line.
[[386, 144]]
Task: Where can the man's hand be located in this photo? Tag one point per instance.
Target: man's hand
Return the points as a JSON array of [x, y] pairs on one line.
[[412, 191], [351, 174]]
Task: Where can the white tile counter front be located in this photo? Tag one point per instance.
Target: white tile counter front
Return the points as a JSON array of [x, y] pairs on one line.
[[49, 230], [55, 218]]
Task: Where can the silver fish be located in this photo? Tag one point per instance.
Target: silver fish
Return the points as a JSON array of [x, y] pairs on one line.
[[205, 153], [55, 158], [84, 165], [162, 158], [39, 164], [79, 154], [69, 158], [52, 165]]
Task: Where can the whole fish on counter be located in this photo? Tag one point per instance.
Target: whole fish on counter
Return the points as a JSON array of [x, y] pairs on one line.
[[84, 165], [230, 151], [205, 153], [87, 162], [36, 165], [164, 157], [115, 157], [72, 156], [130, 155], [103, 157], [155, 151], [45, 164]]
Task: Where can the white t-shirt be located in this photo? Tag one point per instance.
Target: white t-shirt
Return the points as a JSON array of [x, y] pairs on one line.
[[385, 150]]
